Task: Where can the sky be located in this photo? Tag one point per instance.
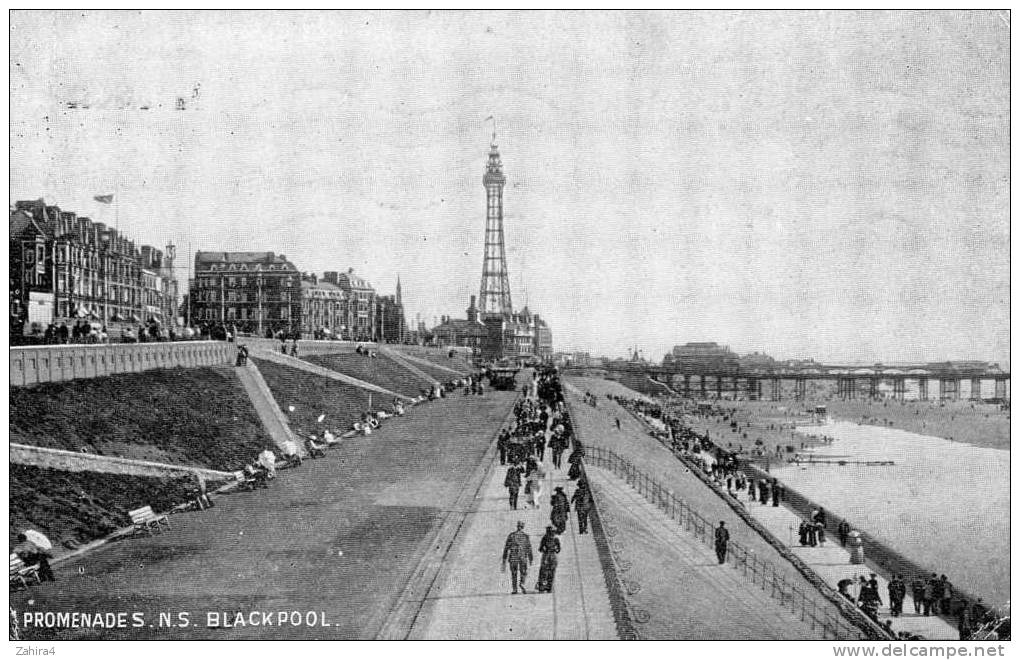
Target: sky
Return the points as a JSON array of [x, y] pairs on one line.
[[831, 185]]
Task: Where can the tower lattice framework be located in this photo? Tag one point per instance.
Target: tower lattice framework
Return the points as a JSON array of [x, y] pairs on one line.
[[494, 294]]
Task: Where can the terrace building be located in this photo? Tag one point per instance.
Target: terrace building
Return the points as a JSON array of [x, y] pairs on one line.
[[65, 268], [257, 292], [323, 308], [360, 305]]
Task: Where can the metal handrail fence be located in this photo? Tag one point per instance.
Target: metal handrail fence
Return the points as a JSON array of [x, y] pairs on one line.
[[821, 614]]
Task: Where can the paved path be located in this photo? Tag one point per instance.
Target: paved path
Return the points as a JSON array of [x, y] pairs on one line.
[[339, 535], [265, 405], [76, 461], [471, 598], [696, 598], [832, 563]]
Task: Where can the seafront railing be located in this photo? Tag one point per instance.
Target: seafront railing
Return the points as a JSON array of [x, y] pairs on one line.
[[821, 614]]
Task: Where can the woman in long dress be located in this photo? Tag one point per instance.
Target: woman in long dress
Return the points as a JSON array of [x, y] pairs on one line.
[[535, 487]]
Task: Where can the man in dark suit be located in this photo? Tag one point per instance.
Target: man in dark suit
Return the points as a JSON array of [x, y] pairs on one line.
[[517, 551], [722, 540], [583, 504], [513, 484]]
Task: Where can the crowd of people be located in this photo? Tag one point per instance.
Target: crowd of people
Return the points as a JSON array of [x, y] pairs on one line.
[[541, 422], [94, 332]]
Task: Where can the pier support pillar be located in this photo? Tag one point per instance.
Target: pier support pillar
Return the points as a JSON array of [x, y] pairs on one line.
[[777, 389], [922, 389], [900, 388], [949, 388], [975, 389], [873, 390], [800, 386], [1001, 391]]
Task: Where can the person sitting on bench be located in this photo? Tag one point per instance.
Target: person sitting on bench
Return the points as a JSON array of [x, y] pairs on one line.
[[258, 475], [290, 453], [32, 554], [314, 449]]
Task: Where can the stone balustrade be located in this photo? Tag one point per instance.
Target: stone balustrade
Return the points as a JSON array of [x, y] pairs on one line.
[[30, 365]]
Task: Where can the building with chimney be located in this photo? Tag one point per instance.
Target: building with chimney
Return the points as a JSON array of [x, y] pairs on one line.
[[323, 308], [469, 332], [67, 269], [360, 305], [256, 292]]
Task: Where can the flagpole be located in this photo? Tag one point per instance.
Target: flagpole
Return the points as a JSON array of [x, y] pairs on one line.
[[188, 282]]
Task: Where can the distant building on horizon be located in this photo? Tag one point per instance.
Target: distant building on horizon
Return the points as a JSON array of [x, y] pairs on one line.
[[702, 357]]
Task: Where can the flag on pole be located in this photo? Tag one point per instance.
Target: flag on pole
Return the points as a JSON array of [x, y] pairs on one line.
[[104, 199]]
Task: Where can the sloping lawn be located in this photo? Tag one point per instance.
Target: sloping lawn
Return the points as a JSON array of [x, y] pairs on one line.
[[312, 395], [442, 375], [380, 370], [199, 417], [85, 505], [443, 360]]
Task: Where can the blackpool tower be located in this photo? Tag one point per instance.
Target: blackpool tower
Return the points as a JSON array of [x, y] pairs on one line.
[[494, 295]]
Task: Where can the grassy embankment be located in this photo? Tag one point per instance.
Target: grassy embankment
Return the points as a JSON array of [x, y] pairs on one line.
[[379, 370], [200, 417], [83, 506], [312, 395]]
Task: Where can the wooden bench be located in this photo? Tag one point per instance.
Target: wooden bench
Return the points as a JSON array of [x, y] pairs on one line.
[[20, 574], [144, 519]]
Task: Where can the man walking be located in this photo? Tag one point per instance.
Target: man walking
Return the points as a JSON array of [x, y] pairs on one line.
[[844, 532], [513, 484], [549, 547], [502, 445], [897, 592], [517, 551], [946, 600], [917, 593], [582, 502], [722, 540], [560, 510]]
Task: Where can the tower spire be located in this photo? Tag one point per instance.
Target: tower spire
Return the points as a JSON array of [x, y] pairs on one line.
[[494, 293]]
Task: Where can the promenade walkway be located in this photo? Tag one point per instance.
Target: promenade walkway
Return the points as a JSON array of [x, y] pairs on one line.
[[832, 563], [471, 598], [696, 598]]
